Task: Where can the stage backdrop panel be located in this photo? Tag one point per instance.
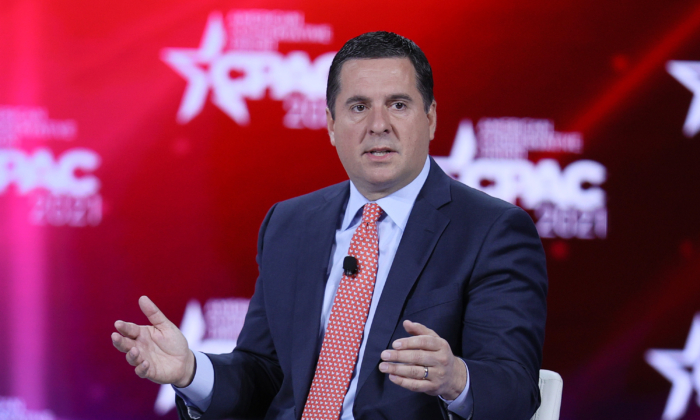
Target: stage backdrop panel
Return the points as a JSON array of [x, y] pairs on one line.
[[142, 143]]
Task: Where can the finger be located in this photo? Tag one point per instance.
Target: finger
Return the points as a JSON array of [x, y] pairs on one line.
[[411, 357], [405, 371], [134, 357], [122, 344], [127, 329], [415, 328], [416, 385], [154, 315], [420, 342], [142, 369]]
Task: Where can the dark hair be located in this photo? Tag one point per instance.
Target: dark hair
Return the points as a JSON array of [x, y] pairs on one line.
[[381, 45]]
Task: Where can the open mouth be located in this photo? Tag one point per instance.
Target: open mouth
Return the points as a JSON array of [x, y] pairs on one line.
[[379, 152]]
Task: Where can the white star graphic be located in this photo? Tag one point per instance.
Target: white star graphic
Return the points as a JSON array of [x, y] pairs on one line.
[[688, 73], [188, 63], [193, 327], [462, 153], [674, 365]]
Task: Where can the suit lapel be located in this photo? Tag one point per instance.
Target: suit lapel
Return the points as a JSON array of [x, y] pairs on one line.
[[318, 236], [424, 228]]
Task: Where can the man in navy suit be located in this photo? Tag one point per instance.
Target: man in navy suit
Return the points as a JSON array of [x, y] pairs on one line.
[[456, 323]]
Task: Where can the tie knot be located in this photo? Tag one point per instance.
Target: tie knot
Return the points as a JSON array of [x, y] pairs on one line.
[[371, 213]]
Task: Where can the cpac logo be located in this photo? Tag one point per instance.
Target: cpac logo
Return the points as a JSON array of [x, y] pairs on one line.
[[60, 197], [682, 369], [237, 61], [63, 191], [41, 170], [568, 202], [212, 330], [18, 123], [688, 73]]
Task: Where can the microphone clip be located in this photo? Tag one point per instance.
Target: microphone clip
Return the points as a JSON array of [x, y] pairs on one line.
[[350, 266]]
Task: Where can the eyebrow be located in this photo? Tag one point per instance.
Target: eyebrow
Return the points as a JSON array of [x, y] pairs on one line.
[[395, 97], [401, 97], [356, 98]]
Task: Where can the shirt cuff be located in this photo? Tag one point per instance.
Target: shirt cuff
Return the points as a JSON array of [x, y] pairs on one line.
[[197, 395], [462, 405]]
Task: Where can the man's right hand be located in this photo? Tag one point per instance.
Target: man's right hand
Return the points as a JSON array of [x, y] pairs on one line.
[[158, 351]]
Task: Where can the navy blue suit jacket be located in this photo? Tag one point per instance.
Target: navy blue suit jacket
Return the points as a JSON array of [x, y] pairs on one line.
[[469, 266]]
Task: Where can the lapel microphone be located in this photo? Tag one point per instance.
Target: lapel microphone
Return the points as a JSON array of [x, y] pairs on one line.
[[350, 266]]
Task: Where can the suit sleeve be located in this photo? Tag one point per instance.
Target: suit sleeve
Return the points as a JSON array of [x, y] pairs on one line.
[[247, 379], [504, 319]]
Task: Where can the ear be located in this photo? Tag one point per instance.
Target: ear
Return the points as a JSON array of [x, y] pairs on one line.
[[330, 124], [432, 119]]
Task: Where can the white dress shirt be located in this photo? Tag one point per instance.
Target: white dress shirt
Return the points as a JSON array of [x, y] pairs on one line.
[[397, 208]]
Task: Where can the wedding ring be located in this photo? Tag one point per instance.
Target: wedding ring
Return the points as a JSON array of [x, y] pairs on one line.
[[426, 373]]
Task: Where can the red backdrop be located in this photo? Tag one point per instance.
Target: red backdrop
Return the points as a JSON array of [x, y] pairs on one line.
[[141, 145]]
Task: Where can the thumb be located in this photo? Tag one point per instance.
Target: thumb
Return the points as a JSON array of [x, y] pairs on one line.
[[154, 315], [415, 328]]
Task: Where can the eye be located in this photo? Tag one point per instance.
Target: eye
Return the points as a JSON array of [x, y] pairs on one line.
[[399, 105], [358, 108]]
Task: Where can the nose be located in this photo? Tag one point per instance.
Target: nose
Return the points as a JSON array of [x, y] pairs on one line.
[[379, 121]]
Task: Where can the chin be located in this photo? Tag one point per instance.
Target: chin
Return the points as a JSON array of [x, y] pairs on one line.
[[383, 185], [382, 182]]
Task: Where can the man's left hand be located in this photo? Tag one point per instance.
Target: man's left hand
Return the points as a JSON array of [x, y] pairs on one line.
[[406, 364]]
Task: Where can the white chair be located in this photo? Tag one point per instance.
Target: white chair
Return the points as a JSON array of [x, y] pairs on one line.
[[551, 386]]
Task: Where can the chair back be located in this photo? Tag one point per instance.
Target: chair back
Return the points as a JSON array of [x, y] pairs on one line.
[[551, 386]]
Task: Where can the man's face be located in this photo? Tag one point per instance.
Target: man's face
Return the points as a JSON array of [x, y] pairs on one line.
[[381, 130]]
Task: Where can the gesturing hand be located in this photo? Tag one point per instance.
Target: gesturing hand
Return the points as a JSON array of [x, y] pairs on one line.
[[159, 351], [407, 363]]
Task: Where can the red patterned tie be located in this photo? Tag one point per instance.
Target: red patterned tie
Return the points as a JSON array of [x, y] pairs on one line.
[[347, 322]]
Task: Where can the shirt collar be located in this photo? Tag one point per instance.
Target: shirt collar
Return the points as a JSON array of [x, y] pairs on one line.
[[397, 205]]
